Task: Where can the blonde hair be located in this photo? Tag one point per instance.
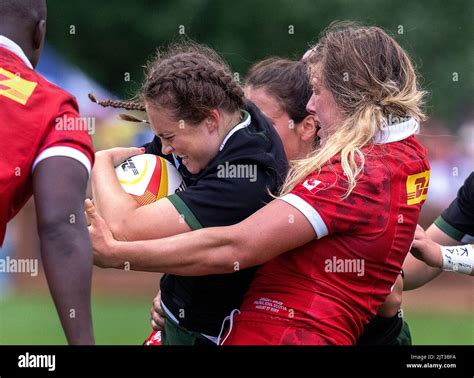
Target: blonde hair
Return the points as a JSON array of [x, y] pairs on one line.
[[371, 78]]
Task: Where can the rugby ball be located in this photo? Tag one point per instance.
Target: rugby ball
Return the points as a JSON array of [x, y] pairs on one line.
[[148, 178]]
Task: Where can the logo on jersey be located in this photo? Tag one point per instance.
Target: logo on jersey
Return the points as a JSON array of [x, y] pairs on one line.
[[311, 183], [417, 187], [14, 87]]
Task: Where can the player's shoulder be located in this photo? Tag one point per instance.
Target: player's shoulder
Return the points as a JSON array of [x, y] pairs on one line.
[[52, 90], [22, 78], [399, 159], [255, 138], [465, 197], [457, 220], [374, 178], [469, 184], [464, 201], [373, 167], [407, 152]]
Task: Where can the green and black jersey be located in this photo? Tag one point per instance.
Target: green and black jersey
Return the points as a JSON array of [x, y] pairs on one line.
[[235, 184], [457, 220]]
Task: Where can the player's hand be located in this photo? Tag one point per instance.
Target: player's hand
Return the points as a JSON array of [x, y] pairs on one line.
[[118, 155], [425, 249], [157, 316], [102, 239], [393, 301], [88, 221]]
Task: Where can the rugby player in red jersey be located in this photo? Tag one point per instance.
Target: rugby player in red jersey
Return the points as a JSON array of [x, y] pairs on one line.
[[41, 154], [335, 240]]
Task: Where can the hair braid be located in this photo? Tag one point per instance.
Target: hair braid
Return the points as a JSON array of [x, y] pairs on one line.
[[128, 105]]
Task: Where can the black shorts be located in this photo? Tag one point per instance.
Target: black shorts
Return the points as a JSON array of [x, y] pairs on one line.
[[382, 331]]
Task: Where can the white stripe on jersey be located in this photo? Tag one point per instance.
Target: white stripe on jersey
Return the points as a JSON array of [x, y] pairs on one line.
[[64, 151], [309, 212]]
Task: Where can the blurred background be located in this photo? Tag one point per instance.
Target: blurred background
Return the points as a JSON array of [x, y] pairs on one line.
[[101, 47]]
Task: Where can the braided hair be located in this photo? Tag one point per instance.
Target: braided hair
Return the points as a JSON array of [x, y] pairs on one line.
[[190, 80], [127, 105]]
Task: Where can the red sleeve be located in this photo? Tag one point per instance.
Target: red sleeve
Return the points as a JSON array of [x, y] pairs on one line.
[[68, 134], [320, 198]]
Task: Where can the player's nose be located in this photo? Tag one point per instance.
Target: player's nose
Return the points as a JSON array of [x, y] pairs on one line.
[[310, 105], [166, 150]]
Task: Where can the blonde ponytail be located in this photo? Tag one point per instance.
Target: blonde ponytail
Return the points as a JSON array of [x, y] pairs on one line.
[[371, 79], [345, 142]]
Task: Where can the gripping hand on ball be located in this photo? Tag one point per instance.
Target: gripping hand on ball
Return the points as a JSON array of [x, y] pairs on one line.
[[102, 239], [118, 155]]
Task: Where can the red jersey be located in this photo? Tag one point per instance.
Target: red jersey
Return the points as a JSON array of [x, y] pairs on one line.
[[35, 123], [334, 284]]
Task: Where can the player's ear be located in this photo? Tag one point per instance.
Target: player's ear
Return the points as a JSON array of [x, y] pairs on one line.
[[37, 42], [39, 34], [307, 128], [212, 120]]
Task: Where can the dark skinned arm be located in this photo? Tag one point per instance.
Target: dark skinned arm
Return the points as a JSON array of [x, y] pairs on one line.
[[59, 185]]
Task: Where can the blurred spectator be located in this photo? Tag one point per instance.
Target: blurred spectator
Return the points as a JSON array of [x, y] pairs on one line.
[[450, 164]]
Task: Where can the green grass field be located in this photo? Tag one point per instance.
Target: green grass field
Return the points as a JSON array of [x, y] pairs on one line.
[[124, 321], [33, 320]]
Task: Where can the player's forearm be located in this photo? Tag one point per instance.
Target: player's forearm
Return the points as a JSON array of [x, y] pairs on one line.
[[417, 273], [203, 252], [59, 185], [112, 202], [67, 258]]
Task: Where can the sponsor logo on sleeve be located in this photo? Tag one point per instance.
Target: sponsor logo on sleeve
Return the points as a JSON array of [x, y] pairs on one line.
[[417, 187], [14, 87]]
